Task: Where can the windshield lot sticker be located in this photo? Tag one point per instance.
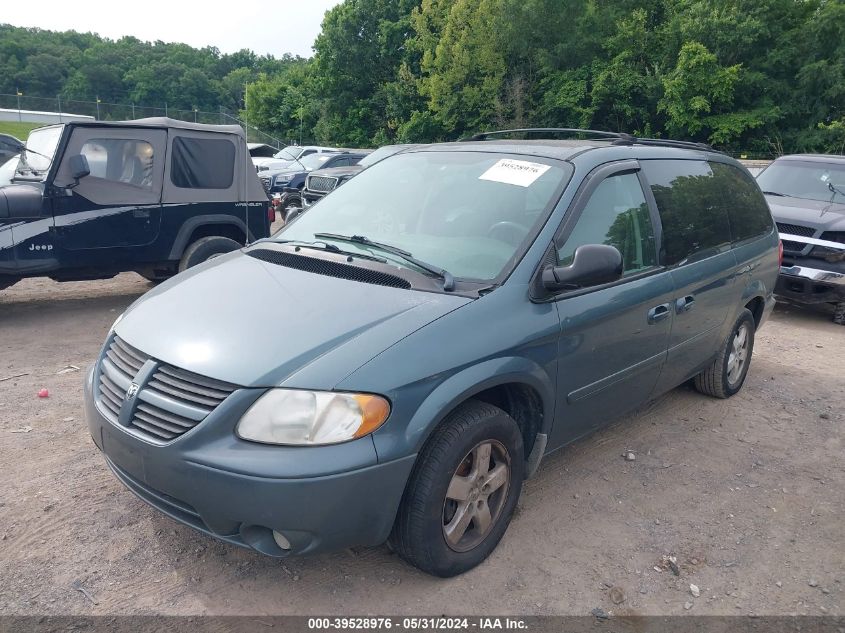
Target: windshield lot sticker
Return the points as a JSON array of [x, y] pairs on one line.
[[515, 172]]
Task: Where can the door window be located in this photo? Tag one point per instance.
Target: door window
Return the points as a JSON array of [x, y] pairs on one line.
[[129, 161], [692, 210], [617, 215]]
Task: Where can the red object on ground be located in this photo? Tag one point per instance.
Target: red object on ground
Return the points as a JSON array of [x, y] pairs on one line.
[[43, 393]]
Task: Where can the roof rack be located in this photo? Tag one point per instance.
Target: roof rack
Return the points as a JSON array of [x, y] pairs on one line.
[[483, 136], [619, 138]]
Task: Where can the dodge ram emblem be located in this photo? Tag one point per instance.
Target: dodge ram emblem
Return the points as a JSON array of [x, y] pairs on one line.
[[132, 391]]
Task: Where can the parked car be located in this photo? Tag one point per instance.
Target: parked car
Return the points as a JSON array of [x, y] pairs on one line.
[[806, 193], [91, 199], [9, 146], [321, 181], [453, 314], [261, 150], [289, 156], [286, 185]]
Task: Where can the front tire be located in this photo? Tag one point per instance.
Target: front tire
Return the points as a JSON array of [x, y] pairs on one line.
[[206, 248], [462, 493], [726, 375]]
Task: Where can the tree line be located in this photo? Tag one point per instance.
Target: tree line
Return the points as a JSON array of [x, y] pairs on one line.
[[762, 76], [85, 66], [745, 75]]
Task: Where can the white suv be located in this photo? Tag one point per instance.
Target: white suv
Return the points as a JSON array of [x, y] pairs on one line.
[[286, 157]]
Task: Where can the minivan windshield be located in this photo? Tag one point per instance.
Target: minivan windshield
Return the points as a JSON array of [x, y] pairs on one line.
[[39, 151], [812, 180], [468, 213]]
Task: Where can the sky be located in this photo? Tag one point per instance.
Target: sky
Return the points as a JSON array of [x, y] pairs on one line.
[[275, 28]]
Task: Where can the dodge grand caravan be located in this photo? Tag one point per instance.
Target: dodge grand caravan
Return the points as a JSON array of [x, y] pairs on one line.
[[457, 312]]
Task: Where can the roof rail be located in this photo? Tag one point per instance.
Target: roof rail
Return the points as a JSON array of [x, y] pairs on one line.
[[483, 136], [619, 138]]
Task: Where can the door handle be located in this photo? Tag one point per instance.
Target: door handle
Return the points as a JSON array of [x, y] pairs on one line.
[[658, 313], [684, 304], [140, 213]]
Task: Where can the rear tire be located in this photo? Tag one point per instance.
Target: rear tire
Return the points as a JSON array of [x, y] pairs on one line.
[[462, 493], [726, 375], [206, 248], [839, 313]]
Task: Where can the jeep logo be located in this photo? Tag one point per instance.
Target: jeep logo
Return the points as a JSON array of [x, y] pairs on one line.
[[132, 391], [40, 247]]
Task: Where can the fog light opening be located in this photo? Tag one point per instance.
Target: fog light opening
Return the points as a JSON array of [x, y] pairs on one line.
[[281, 541]]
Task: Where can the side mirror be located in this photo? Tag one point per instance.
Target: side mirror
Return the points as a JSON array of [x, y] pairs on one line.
[[79, 167], [592, 265]]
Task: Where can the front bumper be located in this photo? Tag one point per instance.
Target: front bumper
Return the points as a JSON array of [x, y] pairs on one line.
[[803, 284], [319, 498]]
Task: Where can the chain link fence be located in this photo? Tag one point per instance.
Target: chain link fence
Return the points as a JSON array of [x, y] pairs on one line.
[[106, 111]]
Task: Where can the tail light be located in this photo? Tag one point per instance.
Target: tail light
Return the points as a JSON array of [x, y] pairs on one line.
[[780, 252], [271, 216]]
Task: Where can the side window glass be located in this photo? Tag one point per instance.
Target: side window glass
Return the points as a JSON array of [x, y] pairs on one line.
[[747, 209], [617, 215], [202, 163], [129, 161], [692, 209]]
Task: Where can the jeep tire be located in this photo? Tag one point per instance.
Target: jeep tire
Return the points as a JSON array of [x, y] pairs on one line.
[[462, 492], [206, 248]]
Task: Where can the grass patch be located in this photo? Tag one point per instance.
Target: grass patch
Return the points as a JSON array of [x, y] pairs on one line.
[[17, 129]]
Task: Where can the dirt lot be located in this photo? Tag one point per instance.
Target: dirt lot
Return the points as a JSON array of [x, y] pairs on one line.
[[747, 493]]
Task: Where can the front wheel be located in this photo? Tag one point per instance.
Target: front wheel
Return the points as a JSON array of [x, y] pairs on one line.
[[206, 248], [462, 493], [726, 375]]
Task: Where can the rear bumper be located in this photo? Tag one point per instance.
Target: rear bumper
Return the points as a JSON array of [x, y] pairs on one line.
[[224, 489], [810, 285]]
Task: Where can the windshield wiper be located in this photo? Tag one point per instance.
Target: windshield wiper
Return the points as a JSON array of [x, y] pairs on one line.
[[445, 275], [834, 189], [332, 248], [775, 193]]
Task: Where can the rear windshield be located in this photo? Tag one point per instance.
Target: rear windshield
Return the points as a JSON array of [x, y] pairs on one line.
[[812, 180], [466, 212]]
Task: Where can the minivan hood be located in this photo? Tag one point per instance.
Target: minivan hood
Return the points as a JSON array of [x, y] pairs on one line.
[[828, 216], [258, 324]]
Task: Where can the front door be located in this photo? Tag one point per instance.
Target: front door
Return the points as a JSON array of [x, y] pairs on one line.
[[613, 338], [119, 204]]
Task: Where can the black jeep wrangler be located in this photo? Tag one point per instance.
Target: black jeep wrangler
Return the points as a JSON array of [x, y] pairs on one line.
[[154, 196]]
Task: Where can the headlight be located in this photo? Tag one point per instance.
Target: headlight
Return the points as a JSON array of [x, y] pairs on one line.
[[291, 416], [281, 180]]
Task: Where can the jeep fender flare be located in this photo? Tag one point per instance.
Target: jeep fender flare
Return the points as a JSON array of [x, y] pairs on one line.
[[190, 225], [473, 380]]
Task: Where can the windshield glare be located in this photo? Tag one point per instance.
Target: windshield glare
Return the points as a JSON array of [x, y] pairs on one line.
[[378, 155], [811, 180], [313, 161], [455, 210], [43, 143], [291, 152]]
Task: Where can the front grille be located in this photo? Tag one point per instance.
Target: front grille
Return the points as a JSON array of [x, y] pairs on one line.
[[795, 247], [796, 229], [170, 404], [330, 269], [834, 236], [321, 184]]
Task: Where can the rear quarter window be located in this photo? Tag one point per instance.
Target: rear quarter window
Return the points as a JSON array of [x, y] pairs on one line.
[[692, 210], [747, 209], [202, 163]]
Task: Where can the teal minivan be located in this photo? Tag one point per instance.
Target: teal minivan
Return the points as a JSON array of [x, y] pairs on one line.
[[452, 315]]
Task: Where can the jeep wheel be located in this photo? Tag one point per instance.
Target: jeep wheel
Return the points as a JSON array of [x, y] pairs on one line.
[[726, 375], [839, 313], [462, 493], [206, 248]]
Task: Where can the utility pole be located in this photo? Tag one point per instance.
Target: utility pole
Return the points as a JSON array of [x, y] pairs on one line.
[[301, 117], [59, 100], [20, 94], [98, 107], [195, 114], [133, 109]]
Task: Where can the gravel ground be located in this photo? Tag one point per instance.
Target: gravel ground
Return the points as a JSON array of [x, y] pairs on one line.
[[747, 494]]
